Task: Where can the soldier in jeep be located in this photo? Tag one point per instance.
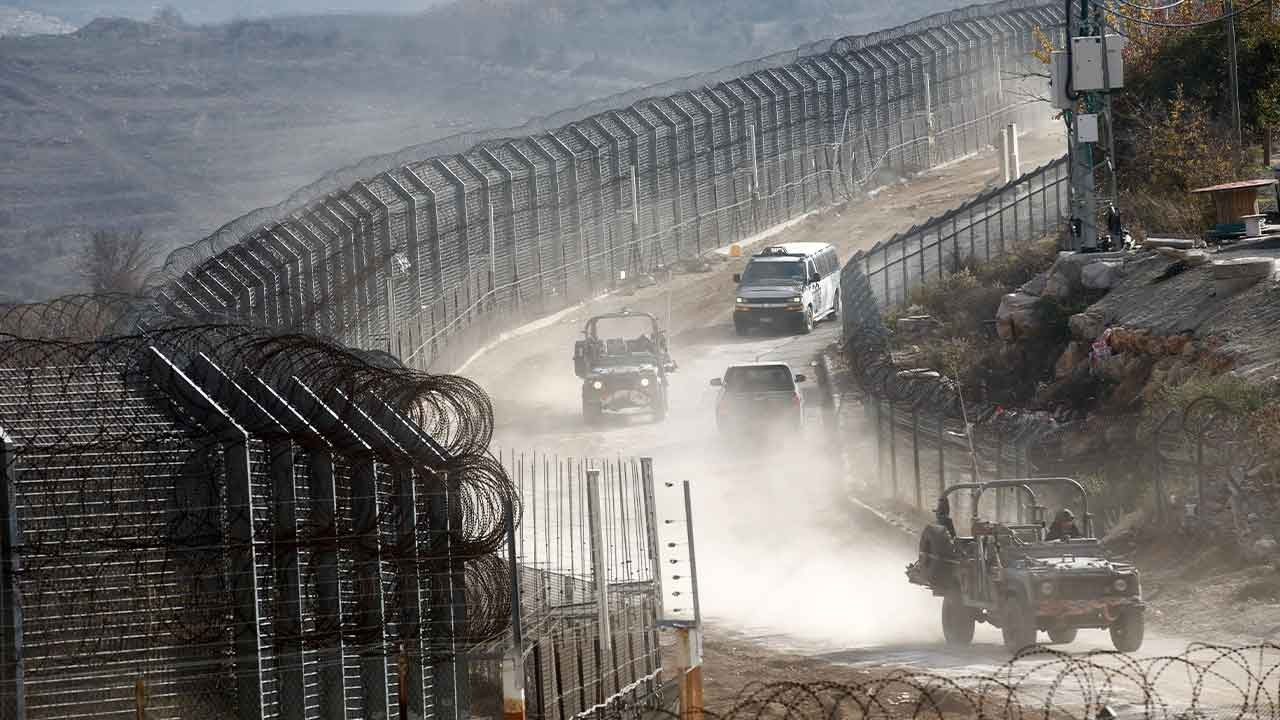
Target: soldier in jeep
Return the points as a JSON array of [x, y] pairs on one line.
[[1064, 526]]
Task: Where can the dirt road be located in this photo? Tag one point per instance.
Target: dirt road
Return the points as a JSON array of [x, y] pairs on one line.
[[786, 565]]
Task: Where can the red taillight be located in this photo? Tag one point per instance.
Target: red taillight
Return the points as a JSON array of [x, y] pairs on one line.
[[799, 401]]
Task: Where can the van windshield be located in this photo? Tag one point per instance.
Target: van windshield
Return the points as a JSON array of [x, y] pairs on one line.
[[774, 272]]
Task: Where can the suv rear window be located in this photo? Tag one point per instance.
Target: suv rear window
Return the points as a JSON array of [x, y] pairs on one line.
[[761, 378]]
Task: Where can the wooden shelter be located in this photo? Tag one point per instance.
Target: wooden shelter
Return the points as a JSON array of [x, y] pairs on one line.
[[1234, 200]]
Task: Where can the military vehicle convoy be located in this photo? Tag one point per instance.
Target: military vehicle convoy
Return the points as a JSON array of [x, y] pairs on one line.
[[1010, 576], [623, 361]]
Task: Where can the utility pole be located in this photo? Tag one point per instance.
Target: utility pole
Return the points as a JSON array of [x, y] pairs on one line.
[[1088, 114], [1084, 204], [1234, 72]]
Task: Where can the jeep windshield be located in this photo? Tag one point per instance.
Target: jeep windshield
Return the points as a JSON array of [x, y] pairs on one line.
[[774, 272], [625, 340], [758, 378]]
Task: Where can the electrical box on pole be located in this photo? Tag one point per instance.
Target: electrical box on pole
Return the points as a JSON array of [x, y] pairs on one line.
[[1086, 63], [1061, 99], [1087, 128]]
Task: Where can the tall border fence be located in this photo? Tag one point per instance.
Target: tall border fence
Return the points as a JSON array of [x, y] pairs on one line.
[[217, 522], [432, 257]]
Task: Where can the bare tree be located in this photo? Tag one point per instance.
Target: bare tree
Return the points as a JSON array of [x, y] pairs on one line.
[[114, 261]]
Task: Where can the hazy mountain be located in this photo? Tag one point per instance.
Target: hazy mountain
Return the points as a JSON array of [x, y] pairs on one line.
[[16, 22]]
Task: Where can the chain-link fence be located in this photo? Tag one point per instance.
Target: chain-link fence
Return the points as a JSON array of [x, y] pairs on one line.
[[987, 226], [590, 603], [437, 253]]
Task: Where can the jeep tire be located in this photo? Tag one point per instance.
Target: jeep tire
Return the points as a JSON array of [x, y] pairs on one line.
[[957, 620], [806, 321], [1063, 636], [1128, 629], [591, 411], [659, 404], [1017, 625]]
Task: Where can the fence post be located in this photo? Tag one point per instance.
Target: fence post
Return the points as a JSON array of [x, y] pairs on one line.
[[598, 570], [915, 455], [942, 453], [13, 701], [513, 664], [893, 448], [1015, 161], [875, 405]]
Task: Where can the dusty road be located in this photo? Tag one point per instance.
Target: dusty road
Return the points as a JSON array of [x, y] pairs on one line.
[[785, 560]]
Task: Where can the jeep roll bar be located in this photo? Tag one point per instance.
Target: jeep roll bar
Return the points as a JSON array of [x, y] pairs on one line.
[[1026, 482], [978, 486]]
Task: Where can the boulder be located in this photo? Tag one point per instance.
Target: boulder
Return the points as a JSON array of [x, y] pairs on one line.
[[1086, 326], [1196, 258], [1066, 275], [916, 326], [1236, 274], [1035, 286], [1178, 243], [1100, 275], [1073, 358], [1016, 317]]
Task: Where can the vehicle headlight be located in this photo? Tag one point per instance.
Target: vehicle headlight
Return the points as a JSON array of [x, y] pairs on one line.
[[1120, 585], [1046, 588], [741, 300], [597, 385], [795, 299], [644, 382]]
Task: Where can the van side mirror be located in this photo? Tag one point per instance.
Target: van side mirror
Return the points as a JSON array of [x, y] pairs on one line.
[[799, 378], [815, 278], [737, 277], [717, 382]]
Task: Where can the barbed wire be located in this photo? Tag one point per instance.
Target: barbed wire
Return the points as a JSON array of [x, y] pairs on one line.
[[1202, 681], [130, 456]]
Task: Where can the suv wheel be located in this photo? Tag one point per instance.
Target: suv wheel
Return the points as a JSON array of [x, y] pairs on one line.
[[806, 326], [1062, 636], [1017, 625], [957, 620], [1128, 629]]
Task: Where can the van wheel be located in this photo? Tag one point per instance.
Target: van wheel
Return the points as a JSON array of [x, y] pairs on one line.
[[807, 325]]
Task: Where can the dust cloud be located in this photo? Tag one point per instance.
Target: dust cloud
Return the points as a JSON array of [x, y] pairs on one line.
[[780, 552], [780, 549]]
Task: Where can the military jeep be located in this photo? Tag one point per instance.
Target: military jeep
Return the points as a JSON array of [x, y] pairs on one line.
[[1009, 576], [623, 362]]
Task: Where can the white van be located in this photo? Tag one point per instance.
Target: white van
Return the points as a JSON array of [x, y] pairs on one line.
[[788, 286]]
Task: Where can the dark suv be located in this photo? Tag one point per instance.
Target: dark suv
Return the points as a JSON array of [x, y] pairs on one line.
[[757, 396]]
